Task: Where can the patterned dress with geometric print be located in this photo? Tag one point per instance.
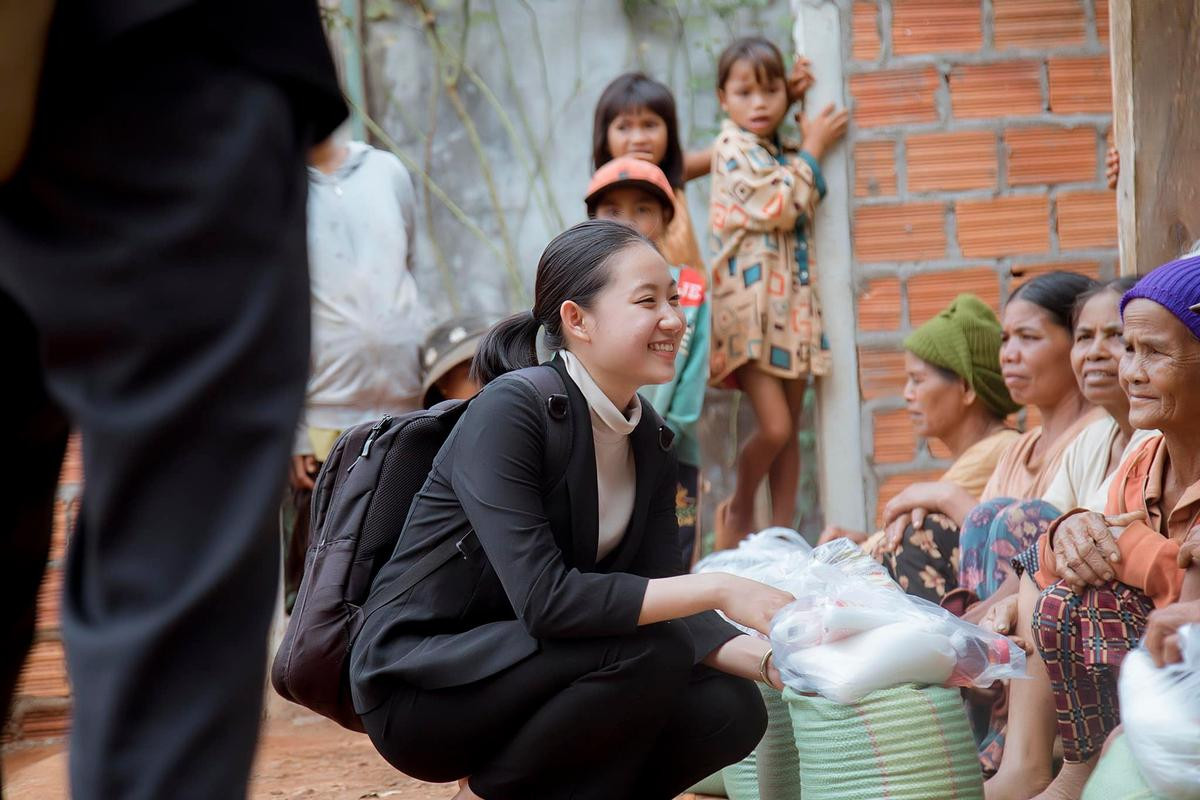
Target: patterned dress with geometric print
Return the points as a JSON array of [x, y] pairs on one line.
[[765, 309]]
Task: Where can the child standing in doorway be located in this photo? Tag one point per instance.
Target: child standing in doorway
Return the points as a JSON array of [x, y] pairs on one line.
[[767, 335], [637, 193]]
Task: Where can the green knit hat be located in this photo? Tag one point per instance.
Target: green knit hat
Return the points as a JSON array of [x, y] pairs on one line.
[[965, 339]]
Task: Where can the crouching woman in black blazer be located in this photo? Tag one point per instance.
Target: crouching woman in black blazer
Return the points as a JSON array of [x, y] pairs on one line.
[[566, 656]]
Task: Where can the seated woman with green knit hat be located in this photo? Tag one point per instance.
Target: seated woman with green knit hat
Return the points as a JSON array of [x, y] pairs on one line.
[[955, 394]]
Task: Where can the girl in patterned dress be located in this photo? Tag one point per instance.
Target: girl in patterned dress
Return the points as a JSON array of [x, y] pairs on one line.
[[766, 318]]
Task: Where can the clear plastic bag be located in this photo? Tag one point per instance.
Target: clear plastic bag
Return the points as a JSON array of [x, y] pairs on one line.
[[1160, 709], [764, 556], [851, 632]]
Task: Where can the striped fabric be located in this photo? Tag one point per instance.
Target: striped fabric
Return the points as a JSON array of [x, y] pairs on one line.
[[772, 771], [906, 743]]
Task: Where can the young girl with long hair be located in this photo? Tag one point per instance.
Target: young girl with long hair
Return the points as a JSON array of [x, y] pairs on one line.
[[635, 116], [564, 654], [766, 329]]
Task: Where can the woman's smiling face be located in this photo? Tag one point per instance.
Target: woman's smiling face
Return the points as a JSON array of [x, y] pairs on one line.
[[634, 326], [1160, 370]]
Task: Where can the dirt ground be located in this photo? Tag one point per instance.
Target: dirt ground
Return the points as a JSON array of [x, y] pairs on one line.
[[301, 757]]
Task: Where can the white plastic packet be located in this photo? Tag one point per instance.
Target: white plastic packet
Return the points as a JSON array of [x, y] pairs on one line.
[[852, 631], [1160, 709]]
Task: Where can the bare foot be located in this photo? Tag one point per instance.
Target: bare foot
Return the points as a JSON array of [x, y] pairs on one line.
[[1014, 783], [1070, 781], [730, 528], [739, 525]]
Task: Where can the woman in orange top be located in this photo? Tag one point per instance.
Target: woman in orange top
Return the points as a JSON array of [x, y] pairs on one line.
[[1101, 575]]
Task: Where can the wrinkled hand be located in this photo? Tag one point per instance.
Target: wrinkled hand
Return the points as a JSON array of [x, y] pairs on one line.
[[824, 129], [303, 470], [1085, 550], [800, 80], [832, 532], [1162, 631], [1112, 167], [752, 604]]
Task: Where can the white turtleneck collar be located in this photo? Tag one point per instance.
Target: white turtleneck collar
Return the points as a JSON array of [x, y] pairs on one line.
[[602, 408]]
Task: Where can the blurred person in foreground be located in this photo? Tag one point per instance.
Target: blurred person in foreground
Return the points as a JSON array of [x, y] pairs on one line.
[[154, 295]]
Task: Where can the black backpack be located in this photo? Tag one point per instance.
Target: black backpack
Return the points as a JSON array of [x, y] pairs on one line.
[[361, 500]]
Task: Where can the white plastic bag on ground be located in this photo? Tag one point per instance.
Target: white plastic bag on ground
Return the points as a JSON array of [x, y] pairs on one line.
[[1160, 709]]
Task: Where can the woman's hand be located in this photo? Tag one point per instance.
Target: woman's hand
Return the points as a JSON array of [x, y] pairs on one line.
[[824, 129], [925, 497], [832, 532], [1085, 549], [751, 604], [929, 497]]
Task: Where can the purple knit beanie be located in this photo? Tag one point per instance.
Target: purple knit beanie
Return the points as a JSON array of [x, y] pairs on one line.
[[1176, 287]]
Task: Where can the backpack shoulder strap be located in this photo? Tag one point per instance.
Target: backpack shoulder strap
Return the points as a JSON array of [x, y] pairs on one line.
[[556, 410]]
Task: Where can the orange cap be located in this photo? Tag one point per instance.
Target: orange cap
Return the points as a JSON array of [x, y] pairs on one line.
[[630, 171]]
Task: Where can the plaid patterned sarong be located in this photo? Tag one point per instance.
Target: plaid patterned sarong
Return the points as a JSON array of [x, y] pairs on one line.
[[1083, 638]]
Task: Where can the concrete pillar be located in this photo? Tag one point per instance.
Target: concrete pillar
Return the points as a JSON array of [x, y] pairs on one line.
[[818, 35]]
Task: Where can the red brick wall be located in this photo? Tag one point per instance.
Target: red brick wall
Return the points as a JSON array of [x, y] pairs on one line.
[[42, 707], [978, 156]]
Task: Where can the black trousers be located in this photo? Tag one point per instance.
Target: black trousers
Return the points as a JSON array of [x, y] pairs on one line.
[[154, 294], [626, 717]]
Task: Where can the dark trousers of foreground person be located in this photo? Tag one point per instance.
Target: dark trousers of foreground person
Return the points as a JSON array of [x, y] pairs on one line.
[[153, 294], [588, 719]]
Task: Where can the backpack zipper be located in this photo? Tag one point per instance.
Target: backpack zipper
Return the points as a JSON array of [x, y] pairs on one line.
[[376, 429]]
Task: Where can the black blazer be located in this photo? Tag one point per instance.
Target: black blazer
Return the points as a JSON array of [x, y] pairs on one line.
[[536, 575]]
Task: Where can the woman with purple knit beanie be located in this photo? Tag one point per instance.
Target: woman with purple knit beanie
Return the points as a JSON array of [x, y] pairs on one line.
[[1102, 576]]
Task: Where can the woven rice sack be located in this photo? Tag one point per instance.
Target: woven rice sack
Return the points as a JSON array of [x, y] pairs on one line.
[[772, 771], [1117, 777], [713, 786], [906, 743], [741, 779]]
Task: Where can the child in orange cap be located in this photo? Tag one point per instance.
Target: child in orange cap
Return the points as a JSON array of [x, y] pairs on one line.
[[637, 193]]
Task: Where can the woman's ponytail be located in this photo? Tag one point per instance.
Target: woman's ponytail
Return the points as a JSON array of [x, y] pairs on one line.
[[574, 266], [511, 344]]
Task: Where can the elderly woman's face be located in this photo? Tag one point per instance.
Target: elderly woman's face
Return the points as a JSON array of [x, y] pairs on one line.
[[1160, 370], [1035, 356]]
